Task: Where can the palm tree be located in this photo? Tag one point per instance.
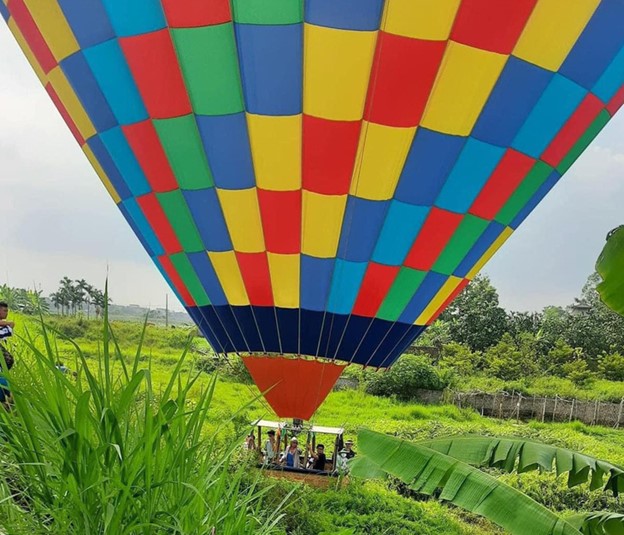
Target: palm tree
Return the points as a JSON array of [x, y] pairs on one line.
[[449, 468]]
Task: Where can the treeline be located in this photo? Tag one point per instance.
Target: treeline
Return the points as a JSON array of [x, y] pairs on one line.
[[581, 342], [72, 297]]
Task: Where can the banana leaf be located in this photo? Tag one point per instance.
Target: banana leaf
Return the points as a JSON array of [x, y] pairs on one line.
[[602, 523], [511, 454], [427, 471], [610, 266]]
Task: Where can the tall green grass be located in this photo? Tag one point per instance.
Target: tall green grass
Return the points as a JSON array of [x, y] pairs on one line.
[[107, 452]]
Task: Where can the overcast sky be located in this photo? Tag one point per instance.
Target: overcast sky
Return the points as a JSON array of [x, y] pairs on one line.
[[57, 218]]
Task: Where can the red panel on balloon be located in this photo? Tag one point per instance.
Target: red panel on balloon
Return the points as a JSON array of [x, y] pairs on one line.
[[157, 219], [146, 146], [434, 235], [196, 13], [492, 25], [66, 117], [616, 102], [175, 279], [281, 220], [294, 388], [30, 31], [508, 174], [403, 73], [329, 150], [375, 286], [573, 130], [154, 65], [257, 278]]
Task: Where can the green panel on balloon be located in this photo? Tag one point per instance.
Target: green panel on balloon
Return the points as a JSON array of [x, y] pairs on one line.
[[180, 218], [183, 146], [466, 235], [267, 11], [537, 176], [187, 273], [212, 79], [405, 285], [594, 129]]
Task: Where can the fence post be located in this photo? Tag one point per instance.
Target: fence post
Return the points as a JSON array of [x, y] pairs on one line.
[[595, 412], [518, 407], [555, 408], [544, 410], [572, 409], [619, 418]]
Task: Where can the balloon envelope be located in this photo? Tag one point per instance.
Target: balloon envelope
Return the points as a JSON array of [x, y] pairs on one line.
[[322, 177]]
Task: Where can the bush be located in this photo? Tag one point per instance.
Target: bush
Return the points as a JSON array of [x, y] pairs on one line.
[[612, 367], [460, 358], [409, 374], [507, 362]]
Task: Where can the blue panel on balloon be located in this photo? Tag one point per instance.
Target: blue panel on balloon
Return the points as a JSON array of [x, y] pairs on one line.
[[4, 12], [135, 228], [316, 275], [206, 211], [288, 325], [85, 85], [543, 190], [335, 329], [428, 288], [346, 282], [599, 43], [226, 143], [111, 71], [392, 345], [361, 226], [399, 231], [429, 162], [88, 20], [267, 324], [484, 242], [135, 17], [345, 14], [551, 112], [271, 59], [145, 230], [611, 80], [100, 152], [121, 153], [312, 323], [472, 170], [519, 87], [220, 321], [201, 320], [250, 327], [208, 278], [351, 337]]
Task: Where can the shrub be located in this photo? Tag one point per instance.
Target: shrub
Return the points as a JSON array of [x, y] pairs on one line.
[[612, 367], [409, 374], [507, 362], [460, 358]]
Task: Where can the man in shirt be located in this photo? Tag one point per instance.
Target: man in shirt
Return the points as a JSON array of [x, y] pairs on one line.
[[6, 330], [319, 457]]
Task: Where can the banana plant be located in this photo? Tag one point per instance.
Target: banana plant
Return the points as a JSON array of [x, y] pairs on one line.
[[450, 469], [610, 267]]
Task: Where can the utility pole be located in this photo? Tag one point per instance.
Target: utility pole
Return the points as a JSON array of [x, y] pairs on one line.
[[166, 310]]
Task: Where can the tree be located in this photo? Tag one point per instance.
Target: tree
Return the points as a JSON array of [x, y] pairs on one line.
[[507, 362], [449, 469], [475, 317]]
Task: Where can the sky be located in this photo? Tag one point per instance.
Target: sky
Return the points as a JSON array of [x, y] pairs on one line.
[[58, 220]]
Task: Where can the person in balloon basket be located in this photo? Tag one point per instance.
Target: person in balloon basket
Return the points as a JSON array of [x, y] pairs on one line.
[[344, 455], [291, 457], [6, 331], [318, 458], [270, 448]]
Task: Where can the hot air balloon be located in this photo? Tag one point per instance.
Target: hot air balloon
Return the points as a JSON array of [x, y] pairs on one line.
[[318, 179]]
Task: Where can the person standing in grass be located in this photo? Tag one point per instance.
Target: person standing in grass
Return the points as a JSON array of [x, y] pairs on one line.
[[6, 331]]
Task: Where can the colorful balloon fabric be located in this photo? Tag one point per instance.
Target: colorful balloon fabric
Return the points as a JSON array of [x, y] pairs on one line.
[[320, 178]]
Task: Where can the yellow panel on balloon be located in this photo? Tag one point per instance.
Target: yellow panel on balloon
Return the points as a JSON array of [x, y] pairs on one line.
[[242, 217], [230, 278], [552, 31], [498, 243], [322, 223], [285, 274], [337, 71], [276, 150], [422, 19], [53, 26], [380, 160], [19, 37], [464, 83], [100, 172], [69, 99], [434, 305]]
